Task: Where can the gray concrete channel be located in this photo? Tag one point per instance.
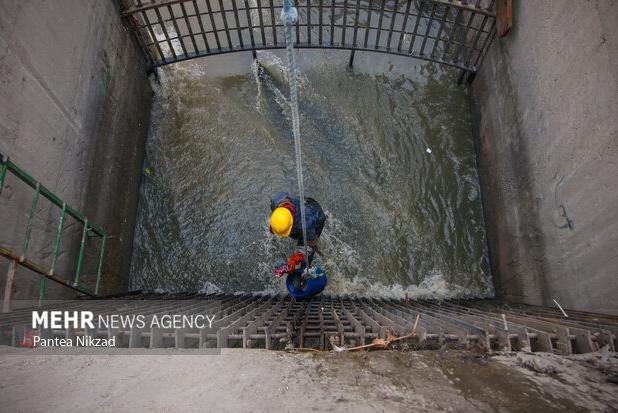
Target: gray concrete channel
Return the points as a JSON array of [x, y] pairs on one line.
[[76, 96], [76, 101], [75, 114]]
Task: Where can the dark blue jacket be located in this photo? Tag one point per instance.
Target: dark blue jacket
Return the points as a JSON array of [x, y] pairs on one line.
[[313, 215]]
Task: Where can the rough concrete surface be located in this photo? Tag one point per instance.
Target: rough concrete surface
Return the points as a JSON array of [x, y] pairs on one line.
[[546, 99], [264, 381], [74, 112], [584, 377]]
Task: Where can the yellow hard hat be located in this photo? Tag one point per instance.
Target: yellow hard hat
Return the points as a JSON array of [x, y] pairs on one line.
[[281, 222]]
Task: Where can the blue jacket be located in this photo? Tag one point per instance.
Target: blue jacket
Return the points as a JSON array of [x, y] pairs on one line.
[[313, 215]]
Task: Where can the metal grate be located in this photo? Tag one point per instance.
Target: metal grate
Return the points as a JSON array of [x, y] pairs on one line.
[[276, 322], [456, 33]]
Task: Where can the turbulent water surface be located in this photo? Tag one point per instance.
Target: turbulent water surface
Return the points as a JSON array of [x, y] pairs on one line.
[[388, 153]]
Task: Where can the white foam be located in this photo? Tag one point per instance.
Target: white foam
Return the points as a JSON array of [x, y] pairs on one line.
[[434, 286], [210, 288]]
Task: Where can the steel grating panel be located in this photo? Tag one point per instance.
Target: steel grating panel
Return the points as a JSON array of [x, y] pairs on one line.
[[456, 33], [277, 322]]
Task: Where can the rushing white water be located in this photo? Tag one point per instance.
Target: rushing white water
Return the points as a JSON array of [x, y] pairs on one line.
[[400, 219]]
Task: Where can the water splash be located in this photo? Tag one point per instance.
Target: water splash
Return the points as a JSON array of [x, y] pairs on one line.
[[399, 220]]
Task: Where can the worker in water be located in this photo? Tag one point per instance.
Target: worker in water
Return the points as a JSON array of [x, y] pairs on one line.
[[285, 221]]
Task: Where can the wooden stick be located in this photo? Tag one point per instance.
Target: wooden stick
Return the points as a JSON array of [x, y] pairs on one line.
[[383, 344], [418, 316]]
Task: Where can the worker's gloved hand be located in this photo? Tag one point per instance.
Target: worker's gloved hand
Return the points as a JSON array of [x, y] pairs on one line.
[[295, 262]]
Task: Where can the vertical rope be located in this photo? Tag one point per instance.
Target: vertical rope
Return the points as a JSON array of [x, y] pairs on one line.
[[289, 15]]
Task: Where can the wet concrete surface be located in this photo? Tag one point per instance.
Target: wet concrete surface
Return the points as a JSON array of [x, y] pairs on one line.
[[266, 381]]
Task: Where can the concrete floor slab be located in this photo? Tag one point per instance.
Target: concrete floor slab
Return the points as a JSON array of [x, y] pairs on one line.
[[261, 381]]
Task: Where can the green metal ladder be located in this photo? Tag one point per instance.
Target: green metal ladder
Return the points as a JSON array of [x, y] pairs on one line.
[[89, 229]]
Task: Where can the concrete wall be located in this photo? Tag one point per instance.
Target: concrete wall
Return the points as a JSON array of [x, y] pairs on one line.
[[546, 101], [74, 112]]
